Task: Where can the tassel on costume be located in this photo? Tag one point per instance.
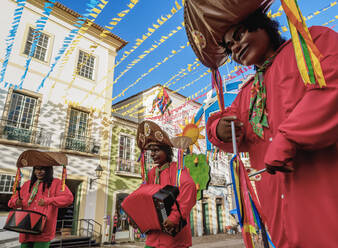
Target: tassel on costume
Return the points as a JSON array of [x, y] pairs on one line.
[[144, 172], [217, 84], [180, 167], [64, 176], [249, 213], [17, 180]]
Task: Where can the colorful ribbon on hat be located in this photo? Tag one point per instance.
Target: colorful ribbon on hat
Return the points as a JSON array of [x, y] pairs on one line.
[[248, 209], [307, 54], [180, 167], [217, 84], [17, 181], [144, 172], [64, 177]]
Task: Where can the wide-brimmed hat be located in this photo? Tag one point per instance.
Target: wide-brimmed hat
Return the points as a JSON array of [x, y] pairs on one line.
[[33, 158], [206, 22], [149, 133]]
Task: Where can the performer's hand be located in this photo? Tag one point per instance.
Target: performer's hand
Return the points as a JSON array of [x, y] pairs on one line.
[[41, 202], [223, 129], [18, 203], [169, 226]]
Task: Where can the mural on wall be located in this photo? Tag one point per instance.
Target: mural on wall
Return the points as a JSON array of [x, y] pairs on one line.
[[199, 170], [192, 130]]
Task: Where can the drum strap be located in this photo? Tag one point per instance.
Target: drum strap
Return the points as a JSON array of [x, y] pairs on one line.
[[177, 205], [34, 191]]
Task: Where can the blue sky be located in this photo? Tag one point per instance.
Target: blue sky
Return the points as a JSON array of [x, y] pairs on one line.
[[146, 13]]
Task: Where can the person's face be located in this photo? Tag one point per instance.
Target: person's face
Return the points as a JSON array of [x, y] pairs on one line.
[[159, 156], [39, 172], [248, 48]]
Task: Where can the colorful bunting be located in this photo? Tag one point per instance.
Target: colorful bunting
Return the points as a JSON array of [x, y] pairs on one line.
[[151, 30], [40, 25], [68, 39], [155, 45], [11, 36], [149, 71]]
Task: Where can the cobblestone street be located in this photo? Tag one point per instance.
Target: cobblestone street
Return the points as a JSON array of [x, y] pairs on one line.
[[210, 241]]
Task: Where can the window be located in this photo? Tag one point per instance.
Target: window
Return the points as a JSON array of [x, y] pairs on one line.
[[77, 130], [6, 185], [20, 117], [125, 147], [85, 65], [41, 47], [125, 162]]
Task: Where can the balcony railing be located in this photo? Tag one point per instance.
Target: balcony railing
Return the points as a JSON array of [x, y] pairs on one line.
[[128, 167], [23, 132], [81, 144]]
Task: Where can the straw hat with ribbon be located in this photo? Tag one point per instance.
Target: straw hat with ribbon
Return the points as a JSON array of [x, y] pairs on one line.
[[206, 22], [149, 133], [34, 158]]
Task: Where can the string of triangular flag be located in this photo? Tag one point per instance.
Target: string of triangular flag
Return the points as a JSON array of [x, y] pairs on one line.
[[69, 38], [150, 30], [172, 54], [11, 36], [145, 53], [40, 25]]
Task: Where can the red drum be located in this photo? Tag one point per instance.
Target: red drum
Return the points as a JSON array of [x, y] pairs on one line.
[[25, 221]]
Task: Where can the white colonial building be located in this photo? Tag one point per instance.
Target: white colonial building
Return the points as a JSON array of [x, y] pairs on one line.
[[63, 104]]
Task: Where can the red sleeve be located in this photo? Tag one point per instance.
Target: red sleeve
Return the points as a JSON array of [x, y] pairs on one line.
[[14, 198], [61, 198], [186, 198], [213, 122], [313, 123]]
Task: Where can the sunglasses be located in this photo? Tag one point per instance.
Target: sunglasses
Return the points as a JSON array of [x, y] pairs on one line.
[[237, 36]]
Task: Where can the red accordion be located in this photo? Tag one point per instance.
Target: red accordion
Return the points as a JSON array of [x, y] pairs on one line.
[[150, 205]]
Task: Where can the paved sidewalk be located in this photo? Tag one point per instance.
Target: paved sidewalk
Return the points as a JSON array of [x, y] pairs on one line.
[[209, 241]]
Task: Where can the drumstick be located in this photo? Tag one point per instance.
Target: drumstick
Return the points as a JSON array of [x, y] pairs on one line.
[[234, 146], [18, 189]]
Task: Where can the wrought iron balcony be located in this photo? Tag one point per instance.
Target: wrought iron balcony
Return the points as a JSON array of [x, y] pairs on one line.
[[24, 132], [81, 144]]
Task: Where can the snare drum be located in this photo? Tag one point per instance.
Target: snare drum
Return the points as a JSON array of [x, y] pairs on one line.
[[25, 221]]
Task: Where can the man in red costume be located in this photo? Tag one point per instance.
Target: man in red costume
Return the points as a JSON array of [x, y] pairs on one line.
[[42, 194], [151, 137], [287, 127]]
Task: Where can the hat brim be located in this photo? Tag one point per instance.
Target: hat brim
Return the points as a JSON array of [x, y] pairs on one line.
[[32, 158], [206, 22], [181, 142]]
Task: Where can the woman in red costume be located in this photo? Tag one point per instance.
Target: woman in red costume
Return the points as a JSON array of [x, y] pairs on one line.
[[287, 127], [42, 194]]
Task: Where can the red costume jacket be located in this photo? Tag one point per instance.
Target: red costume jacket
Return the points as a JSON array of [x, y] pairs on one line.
[[186, 200], [301, 207], [54, 198]]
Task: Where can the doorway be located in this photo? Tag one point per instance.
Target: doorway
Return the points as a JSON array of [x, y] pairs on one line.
[[67, 219]]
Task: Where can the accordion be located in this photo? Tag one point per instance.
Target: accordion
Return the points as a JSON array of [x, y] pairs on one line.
[[150, 205]]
